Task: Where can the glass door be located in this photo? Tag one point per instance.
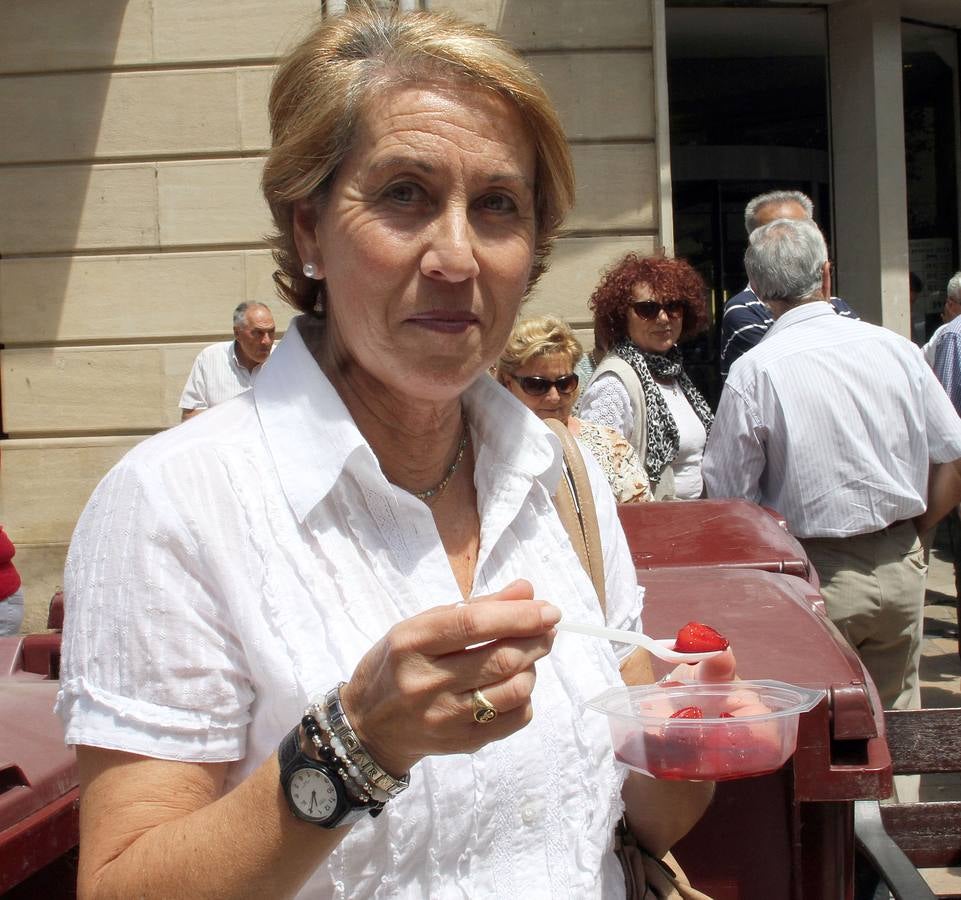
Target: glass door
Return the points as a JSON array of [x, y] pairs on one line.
[[930, 61]]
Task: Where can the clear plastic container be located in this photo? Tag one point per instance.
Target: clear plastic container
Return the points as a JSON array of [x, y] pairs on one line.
[[747, 728]]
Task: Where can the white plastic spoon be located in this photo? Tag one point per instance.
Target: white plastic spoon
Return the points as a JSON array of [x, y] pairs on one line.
[[660, 647]]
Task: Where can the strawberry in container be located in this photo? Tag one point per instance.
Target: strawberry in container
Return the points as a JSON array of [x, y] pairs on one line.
[[699, 731]]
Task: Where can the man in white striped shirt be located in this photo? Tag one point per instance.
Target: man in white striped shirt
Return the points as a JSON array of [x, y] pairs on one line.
[[224, 370], [833, 423]]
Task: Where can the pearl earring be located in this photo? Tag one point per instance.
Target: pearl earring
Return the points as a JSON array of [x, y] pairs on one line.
[[310, 270]]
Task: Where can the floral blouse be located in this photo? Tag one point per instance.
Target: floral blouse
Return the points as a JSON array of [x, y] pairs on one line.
[[618, 459]]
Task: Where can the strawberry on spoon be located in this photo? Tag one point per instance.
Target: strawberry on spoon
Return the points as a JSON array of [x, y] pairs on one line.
[[695, 637]]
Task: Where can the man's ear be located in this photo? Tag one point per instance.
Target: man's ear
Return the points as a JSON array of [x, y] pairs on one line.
[[305, 235]]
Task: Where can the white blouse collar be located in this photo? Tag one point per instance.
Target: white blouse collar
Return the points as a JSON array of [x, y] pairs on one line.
[[312, 437]]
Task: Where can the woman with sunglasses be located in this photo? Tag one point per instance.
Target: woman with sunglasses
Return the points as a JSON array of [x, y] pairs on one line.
[[642, 308], [537, 367]]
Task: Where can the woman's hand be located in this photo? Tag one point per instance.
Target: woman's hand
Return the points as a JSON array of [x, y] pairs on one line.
[[722, 667], [410, 696]]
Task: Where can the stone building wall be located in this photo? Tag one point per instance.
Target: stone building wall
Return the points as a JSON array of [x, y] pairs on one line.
[[131, 222]]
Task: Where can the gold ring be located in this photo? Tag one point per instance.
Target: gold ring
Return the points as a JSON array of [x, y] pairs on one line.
[[484, 711]]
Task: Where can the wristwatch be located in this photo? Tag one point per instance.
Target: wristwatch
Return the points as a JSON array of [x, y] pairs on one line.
[[316, 790]]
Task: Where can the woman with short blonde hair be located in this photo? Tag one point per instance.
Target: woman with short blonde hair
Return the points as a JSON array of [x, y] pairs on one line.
[[324, 87], [538, 367], [310, 647]]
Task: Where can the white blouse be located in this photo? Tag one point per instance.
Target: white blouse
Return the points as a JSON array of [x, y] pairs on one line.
[[692, 436], [607, 402], [230, 569]]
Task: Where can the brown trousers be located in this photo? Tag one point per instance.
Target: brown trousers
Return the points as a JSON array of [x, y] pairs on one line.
[[873, 588]]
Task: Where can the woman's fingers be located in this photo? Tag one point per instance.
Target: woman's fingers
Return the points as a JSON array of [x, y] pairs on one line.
[[505, 695], [411, 694], [722, 667], [512, 701], [448, 629], [477, 736], [494, 661]]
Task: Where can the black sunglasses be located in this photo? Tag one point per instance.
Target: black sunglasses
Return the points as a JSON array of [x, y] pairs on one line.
[[536, 386], [651, 309]]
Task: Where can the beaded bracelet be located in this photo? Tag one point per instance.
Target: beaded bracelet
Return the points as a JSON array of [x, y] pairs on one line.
[[333, 744], [352, 777], [355, 750]]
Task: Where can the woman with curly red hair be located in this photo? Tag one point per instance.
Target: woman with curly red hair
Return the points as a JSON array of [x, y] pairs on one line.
[[643, 307]]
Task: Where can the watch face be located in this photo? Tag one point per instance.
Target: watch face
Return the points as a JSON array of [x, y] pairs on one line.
[[314, 794]]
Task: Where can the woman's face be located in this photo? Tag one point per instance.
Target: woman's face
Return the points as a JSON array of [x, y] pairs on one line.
[[553, 404], [426, 239], [655, 335]]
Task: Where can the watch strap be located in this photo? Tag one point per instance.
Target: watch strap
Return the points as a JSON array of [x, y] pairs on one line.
[[291, 757], [289, 751]]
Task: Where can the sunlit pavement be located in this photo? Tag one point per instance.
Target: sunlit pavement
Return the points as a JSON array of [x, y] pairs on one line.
[[941, 683]]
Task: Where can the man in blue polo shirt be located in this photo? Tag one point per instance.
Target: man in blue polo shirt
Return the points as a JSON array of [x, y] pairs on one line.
[[746, 319]]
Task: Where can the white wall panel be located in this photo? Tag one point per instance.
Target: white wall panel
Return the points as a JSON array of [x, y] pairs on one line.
[[84, 115], [211, 202], [92, 390], [51, 209], [69, 299]]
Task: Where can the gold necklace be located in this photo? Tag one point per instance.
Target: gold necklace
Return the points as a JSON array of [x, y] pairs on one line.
[[438, 488]]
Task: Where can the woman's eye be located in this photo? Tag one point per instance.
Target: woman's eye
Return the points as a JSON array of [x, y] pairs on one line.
[[498, 203], [405, 192]]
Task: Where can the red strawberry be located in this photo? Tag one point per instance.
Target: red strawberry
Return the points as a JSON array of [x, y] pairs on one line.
[[697, 638], [688, 712], [725, 716]]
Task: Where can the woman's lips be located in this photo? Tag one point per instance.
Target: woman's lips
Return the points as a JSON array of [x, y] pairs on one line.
[[444, 321]]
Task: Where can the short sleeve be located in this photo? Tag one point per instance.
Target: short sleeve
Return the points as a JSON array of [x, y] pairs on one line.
[[194, 394], [606, 402], [618, 460], [150, 663], [941, 418], [744, 322], [946, 363]]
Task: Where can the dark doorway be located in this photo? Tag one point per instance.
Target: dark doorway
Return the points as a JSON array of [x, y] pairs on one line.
[[931, 85], [748, 95]]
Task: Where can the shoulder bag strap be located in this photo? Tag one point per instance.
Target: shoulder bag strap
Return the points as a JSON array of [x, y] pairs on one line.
[[574, 502], [575, 506]]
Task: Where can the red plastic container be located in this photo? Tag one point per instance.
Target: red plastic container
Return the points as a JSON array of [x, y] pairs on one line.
[[787, 835], [39, 797], [726, 533], [705, 731]]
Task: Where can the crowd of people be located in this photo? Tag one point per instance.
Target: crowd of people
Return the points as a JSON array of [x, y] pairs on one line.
[[335, 610]]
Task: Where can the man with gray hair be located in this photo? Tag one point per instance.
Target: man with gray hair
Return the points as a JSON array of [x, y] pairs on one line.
[[952, 307], [224, 370], [834, 423], [746, 319]]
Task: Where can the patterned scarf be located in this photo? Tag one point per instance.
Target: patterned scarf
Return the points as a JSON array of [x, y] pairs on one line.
[[663, 440]]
